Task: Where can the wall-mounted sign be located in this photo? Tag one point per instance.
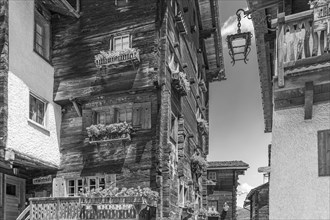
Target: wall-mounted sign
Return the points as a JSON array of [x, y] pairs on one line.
[[42, 180]]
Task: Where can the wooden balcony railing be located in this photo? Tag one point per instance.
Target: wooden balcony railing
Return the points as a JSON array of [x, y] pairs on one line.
[[106, 58], [65, 208], [302, 39]]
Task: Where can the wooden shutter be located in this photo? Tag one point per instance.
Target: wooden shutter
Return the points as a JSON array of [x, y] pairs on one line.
[[146, 115], [137, 114], [324, 152], [110, 180], [58, 187], [87, 115], [142, 115]]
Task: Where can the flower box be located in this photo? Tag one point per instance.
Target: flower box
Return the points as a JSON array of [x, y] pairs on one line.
[[202, 85], [180, 83], [101, 133], [106, 58], [203, 126], [198, 164]]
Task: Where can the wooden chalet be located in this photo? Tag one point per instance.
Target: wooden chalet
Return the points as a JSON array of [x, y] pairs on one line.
[[132, 81], [221, 187]]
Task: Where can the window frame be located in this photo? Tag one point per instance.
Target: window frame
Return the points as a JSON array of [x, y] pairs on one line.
[[113, 38], [116, 3], [44, 23], [213, 201], [212, 174], [85, 183], [44, 124]]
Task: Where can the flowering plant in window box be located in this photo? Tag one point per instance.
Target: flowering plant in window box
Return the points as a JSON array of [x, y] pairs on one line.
[[202, 214], [180, 82], [198, 164], [101, 132], [110, 57], [315, 3], [114, 195], [189, 208], [203, 125]]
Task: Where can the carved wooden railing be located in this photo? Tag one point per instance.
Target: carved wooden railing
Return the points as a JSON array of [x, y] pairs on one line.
[[65, 208], [304, 36], [106, 58], [302, 39]]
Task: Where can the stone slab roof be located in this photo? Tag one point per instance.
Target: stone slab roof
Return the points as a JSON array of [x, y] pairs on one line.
[[224, 164]]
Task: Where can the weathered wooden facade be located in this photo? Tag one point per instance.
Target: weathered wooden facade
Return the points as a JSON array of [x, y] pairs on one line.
[[223, 176], [257, 201], [295, 80], [132, 81]]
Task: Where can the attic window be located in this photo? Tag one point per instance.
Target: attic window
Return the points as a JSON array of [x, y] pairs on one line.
[[121, 3]]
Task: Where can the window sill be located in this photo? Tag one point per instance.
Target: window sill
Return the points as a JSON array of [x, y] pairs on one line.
[[39, 127]]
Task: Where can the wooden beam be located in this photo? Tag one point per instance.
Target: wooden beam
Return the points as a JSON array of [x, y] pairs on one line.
[[309, 93], [280, 51], [76, 106]]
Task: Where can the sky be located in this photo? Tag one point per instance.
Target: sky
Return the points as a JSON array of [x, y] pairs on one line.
[[236, 116]]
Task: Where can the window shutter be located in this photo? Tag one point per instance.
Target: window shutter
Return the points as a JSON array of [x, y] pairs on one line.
[[116, 115], [146, 122], [110, 180], [324, 152], [142, 115], [58, 187], [136, 114], [87, 115]]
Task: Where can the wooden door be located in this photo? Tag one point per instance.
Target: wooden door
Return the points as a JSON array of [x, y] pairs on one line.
[[14, 196]]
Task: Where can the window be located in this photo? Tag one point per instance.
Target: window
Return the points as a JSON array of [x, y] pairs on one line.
[[77, 185], [324, 152], [41, 35], [11, 189], [121, 3], [120, 43], [213, 204], [212, 175], [37, 110]]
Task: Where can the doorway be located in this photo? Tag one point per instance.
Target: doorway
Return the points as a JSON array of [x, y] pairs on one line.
[[14, 197]]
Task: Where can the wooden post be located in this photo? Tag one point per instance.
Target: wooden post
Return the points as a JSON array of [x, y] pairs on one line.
[[280, 49], [309, 87]]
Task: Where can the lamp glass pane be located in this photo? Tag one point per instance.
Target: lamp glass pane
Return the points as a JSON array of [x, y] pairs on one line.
[[239, 42]]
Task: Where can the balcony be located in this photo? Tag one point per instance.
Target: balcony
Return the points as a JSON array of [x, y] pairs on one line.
[[303, 39], [106, 58], [65, 208], [181, 24]]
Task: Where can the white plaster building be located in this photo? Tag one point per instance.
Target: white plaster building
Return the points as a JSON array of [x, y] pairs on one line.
[[29, 119], [294, 66]]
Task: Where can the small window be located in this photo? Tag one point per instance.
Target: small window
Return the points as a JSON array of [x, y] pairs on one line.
[[37, 110], [121, 43], [212, 175], [121, 3], [42, 35], [11, 189], [324, 152], [213, 204]]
